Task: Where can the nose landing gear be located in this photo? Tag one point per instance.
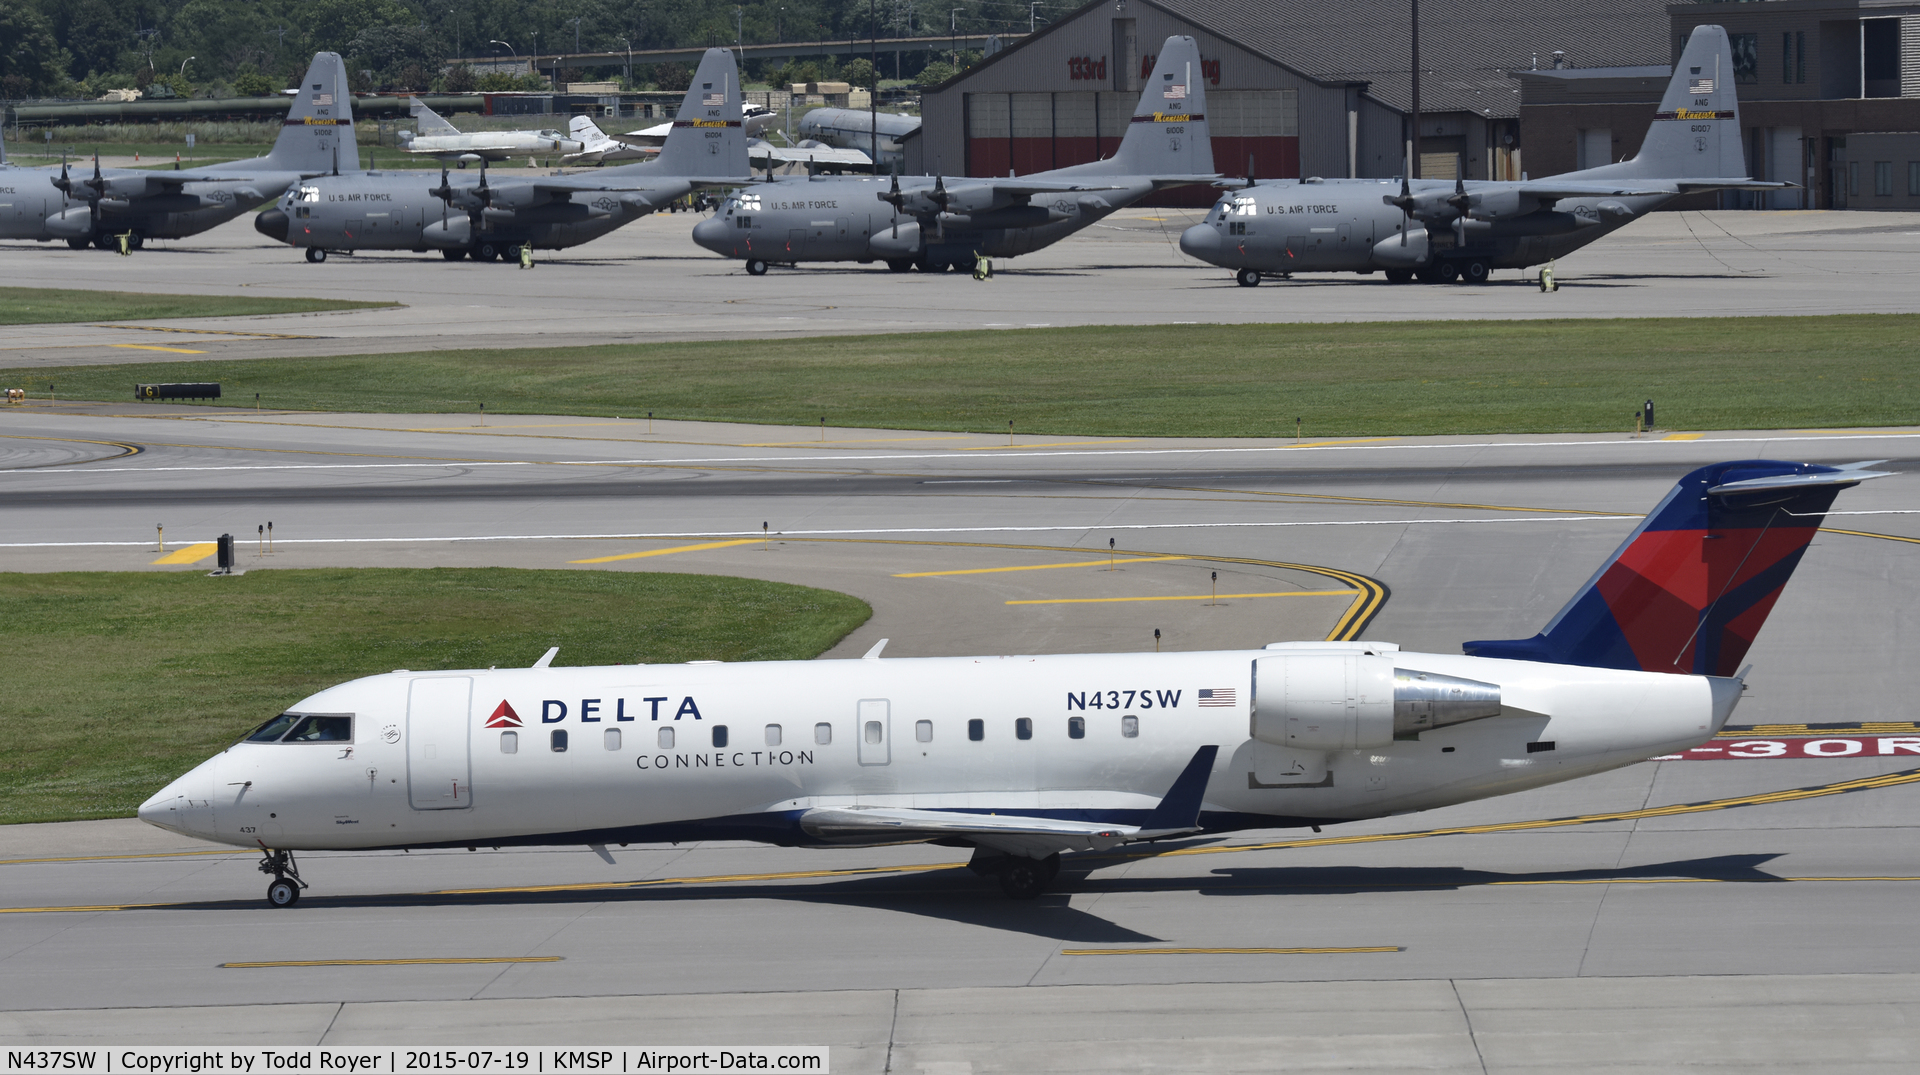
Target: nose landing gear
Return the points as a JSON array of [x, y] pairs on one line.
[[286, 887]]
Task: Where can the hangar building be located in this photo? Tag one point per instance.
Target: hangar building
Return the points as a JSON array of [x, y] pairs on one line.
[[1299, 88]]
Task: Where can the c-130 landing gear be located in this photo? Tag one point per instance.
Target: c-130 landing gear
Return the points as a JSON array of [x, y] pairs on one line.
[[286, 887]]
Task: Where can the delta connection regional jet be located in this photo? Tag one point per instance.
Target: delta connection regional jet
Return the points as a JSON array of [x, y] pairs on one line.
[[1439, 232], [1025, 758]]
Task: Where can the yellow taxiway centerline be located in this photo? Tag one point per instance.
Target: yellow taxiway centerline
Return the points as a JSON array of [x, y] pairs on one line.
[[1683, 436], [1194, 597], [669, 552], [152, 347], [430, 960], [1042, 567], [1229, 951], [192, 554]]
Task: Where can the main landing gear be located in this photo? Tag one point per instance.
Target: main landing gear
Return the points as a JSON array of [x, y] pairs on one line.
[[1020, 878], [756, 267], [286, 886], [1248, 277]]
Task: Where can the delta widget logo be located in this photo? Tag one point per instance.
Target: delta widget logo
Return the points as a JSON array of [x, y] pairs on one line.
[[503, 716]]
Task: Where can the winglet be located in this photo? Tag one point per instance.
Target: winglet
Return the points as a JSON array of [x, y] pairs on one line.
[[546, 659], [874, 653], [1179, 811]]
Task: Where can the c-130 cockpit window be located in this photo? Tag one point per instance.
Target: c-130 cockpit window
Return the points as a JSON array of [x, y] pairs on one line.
[[298, 728]]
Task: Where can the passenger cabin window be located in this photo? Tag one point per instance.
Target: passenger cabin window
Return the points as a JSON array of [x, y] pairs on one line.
[[923, 730], [823, 734], [509, 742], [976, 730], [612, 738], [773, 735], [719, 736], [666, 739], [1023, 728], [1130, 727], [1076, 727], [271, 731], [557, 740], [321, 730], [873, 733]]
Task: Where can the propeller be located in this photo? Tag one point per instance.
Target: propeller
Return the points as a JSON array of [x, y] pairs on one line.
[[1460, 203], [893, 197], [1405, 204], [941, 199]]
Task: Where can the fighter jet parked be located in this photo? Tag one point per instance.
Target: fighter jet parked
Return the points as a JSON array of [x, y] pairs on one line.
[[1023, 758], [440, 139], [599, 147], [937, 224], [1437, 231], [99, 204], [853, 128], [490, 218]]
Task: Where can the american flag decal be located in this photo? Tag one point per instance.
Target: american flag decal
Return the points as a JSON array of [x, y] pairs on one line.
[[323, 98], [714, 99], [1175, 93], [1215, 696], [1700, 85]]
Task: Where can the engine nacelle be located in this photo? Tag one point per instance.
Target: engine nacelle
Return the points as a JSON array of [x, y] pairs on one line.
[[73, 222], [1415, 253], [453, 233], [894, 247], [1355, 701]]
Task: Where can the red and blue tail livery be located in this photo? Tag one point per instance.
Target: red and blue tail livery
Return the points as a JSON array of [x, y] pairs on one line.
[[1690, 587]]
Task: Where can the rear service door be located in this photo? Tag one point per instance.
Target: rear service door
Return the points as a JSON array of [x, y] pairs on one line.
[[437, 766], [875, 731]]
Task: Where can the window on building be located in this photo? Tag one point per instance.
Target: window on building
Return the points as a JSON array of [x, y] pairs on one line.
[[976, 730], [509, 742], [719, 736], [1799, 55], [1913, 179], [1023, 728], [1853, 179], [1746, 57], [557, 740], [611, 737], [773, 735], [1130, 727], [1883, 179], [1786, 56], [823, 734], [665, 739], [923, 730], [1076, 727]]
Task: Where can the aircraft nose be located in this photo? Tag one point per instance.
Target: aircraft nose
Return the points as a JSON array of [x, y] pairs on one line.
[[1201, 241], [272, 224], [184, 806], [714, 234]]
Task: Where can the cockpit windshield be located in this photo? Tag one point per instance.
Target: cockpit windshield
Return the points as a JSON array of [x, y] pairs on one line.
[[304, 729]]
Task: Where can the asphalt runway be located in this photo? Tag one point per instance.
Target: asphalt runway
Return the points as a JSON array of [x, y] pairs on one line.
[[1743, 929], [648, 282]]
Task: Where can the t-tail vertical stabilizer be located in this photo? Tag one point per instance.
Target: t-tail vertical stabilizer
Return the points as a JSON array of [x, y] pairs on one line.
[[1690, 587]]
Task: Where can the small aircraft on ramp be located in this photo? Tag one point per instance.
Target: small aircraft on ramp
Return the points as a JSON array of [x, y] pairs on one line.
[[1024, 758], [442, 140], [599, 147], [1439, 232]]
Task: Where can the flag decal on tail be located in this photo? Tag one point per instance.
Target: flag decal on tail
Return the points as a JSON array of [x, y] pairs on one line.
[[1700, 85], [503, 716]]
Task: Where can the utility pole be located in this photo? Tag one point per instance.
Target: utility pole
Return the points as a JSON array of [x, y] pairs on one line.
[[1030, 10], [1413, 144], [873, 92], [953, 35]]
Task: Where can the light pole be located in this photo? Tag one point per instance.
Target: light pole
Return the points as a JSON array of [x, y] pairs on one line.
[[1030, 10], [455, 12], [576, 35], [953, 38], [184, 63]]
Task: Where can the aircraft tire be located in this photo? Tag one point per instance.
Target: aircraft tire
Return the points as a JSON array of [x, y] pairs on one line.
[[104, 241], [756, 267], [78, 244], [1399, 276], [282, 893], [453, 255], [1247, 277], [1475, 271], [136, 241], [1446, 272], [316, 255], [899, 265], [486, 251], [1023, 878]]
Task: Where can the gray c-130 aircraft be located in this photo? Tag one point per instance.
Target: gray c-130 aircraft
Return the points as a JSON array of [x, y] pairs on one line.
[[47, 203], [489, 219], [1439, 232], [936, 224]]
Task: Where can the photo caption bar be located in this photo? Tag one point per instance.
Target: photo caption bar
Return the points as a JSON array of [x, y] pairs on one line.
[[390, 1060]]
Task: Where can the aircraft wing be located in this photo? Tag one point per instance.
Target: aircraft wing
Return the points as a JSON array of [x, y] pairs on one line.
[[1550, 189], [851, 158], [1690, 185], [1032, 836]]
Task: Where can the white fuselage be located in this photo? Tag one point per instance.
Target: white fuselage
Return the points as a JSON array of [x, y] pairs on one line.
[[738, 751]]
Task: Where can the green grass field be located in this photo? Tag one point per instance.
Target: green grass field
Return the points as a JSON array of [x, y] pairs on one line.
[[120, 681], [43, 305], [1403, 378]]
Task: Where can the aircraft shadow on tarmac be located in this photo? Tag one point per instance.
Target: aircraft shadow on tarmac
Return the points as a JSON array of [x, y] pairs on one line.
[[1349, 880]]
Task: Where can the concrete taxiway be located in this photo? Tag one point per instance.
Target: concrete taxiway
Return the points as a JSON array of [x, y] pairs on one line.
[[647, 282], [1695, 917]]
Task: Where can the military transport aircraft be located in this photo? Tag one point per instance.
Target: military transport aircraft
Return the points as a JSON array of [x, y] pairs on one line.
[[440, 139], [853, 128], [1023, 758], [1437, 232], [96, 206], [488, 219], [936, 224]]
